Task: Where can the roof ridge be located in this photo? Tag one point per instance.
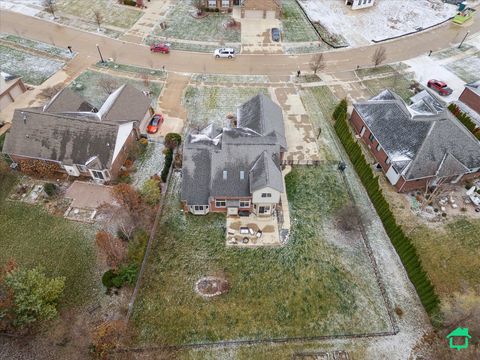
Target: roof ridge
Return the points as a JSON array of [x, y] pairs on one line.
[[60, 115]]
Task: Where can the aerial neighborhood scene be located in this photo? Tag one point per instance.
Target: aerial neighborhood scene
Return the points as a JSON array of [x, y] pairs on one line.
[[240, 179]]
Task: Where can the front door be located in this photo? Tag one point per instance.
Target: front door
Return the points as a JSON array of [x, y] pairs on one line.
[[236, 2]]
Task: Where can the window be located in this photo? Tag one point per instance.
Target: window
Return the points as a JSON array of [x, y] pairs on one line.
[[198, 207], [212, 3], [98, 174], [82, 168], [378, 147], [371, 138], [387, 161], [364, 2], [245, 204], [266, 195], [359, 2], [225, 174], [225, 3], [362, 131], [242, 175], [221, 203]]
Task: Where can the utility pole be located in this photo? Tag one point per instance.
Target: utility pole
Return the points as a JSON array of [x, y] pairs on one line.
[[100, 53], [459, 46]]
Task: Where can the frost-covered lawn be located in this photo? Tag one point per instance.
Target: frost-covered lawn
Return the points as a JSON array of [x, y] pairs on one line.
[[181, 25], [230, 79], [385, 19], [468, 68], [391, 80], [207, 104], [113, 14], [34, 69], [149, 164], [38, 45], [295, 25], [320, 283], [88, 84]]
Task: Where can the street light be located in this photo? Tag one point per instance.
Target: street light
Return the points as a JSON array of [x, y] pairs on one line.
[[459, 46], [100, 53]]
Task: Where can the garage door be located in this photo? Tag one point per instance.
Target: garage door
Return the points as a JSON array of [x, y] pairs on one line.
[[254, 14], [270, 14]]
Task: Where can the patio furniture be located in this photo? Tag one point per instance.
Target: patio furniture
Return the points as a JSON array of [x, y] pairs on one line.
[[245, 240], [259, 234], [231, 232], [250, 230], [244, 230]]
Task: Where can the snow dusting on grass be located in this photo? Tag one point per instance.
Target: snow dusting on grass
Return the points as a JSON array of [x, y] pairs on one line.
[[34, 69], [38, 45], [150, 164], [387, 18]]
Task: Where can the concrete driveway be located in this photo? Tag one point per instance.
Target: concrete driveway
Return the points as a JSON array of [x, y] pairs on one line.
[[256, 36]]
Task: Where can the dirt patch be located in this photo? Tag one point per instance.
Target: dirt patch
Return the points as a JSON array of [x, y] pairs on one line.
[[211, 286]]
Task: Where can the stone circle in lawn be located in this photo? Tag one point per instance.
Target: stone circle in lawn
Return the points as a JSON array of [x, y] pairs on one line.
[[210, 286]]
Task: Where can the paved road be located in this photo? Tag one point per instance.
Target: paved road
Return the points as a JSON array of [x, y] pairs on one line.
[[269, 64]]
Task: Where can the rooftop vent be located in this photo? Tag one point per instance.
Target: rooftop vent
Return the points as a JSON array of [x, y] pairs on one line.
[[224, 174], [242, 175]]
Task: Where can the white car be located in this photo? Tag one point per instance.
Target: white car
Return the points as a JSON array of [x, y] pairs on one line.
[[224, 53]]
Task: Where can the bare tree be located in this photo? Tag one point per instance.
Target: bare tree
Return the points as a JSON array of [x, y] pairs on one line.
[[317, 63], [434, 190], [108, 85], [379, 56], [146, 80], [98, 16], [50, 7]]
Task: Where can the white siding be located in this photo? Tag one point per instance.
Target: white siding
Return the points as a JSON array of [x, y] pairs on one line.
[[123, 133], [392, 175], [258, 199]]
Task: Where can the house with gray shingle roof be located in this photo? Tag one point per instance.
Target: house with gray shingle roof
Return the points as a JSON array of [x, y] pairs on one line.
[[236, 168], [75, 137], [416, 145]]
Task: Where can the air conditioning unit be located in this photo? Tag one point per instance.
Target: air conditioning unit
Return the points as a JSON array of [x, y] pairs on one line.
[[71, 170]]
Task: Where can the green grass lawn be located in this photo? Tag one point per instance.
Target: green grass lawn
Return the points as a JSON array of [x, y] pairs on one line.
[[38, 45], [320, 283], [181, 25], [34, 69], [397, 82], [87, 85], [295, 25], [32, 237], [466, 69]]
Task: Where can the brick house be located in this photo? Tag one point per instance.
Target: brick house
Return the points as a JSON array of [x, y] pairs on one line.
[[416, 145], [359, 4], [236, 168], [11, 87], [471, 96], [75, 137], [252, 9]]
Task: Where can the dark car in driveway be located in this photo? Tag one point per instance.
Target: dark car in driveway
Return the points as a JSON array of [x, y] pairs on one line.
[[276, 34], [440, 87]]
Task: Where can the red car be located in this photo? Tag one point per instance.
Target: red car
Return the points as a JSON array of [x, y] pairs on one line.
[[155, 123], [162, 48], [440, 87]]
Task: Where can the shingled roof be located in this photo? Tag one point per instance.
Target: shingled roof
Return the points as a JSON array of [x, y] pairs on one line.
[[420, 143], [67, 131], [233, 162]]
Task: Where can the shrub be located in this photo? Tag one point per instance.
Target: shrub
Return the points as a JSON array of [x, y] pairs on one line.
[[172, 140], [50, 189], [402, 243], [168, 163], [128, 274], [107, 278], [137, 246], [464, 119]]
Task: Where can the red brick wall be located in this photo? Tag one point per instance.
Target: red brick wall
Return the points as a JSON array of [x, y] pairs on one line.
[[122, 156], [471, 99], [404, 186], [213, 208]]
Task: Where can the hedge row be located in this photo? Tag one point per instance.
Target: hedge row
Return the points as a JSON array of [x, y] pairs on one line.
[[402, 243], [167, 164], [465, 120]]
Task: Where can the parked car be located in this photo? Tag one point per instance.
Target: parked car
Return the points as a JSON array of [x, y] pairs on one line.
[[440, 87], [224, 53], [276, 34], [161, 47], [155, 123]]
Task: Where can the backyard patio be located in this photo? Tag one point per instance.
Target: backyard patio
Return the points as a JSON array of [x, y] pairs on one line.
[[252, 231]]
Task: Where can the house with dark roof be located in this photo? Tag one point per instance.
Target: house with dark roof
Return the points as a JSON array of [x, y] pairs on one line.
[[416, 145], [471, 96], [74, 137], [236, 168], [251, 9]]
